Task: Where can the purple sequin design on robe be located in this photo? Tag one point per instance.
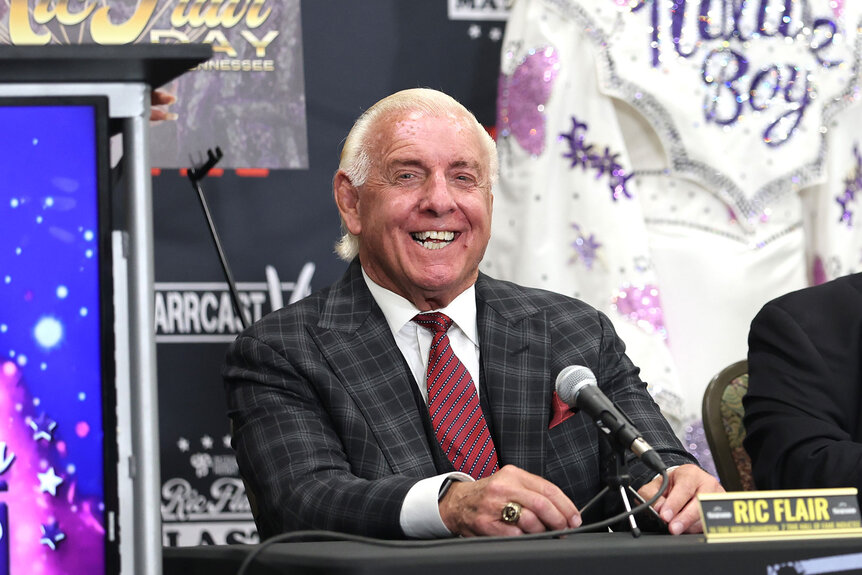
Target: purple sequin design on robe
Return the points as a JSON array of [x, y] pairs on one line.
[[819, 271], [521, 99], [837, 7], [852, 185], [585, 247], [583, 155], [696, 444], [641, 306]]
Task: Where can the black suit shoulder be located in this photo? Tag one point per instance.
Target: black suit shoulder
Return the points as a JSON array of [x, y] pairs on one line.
[[342, 306], [515, 301], [302, 312], [805, 388], [831, 298]]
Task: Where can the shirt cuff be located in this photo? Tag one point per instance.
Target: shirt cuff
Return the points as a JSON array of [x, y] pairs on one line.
[[420, 512], [657, 475]]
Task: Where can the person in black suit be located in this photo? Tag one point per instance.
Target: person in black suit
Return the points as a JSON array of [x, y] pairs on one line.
[[803, 409], [328, 396]]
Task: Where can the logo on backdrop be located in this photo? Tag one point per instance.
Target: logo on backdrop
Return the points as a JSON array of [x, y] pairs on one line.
[[203, 498], [216, 513], [202, 312], [489, 11], [249, 99], [479, 9]]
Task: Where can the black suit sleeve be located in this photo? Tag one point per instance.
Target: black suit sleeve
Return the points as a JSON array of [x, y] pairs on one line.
[[802, 409], [620, 381]]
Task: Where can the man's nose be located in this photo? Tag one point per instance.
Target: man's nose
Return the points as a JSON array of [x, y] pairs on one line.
[[438, 196]]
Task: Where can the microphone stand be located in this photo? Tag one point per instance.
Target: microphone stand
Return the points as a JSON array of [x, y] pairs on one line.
[[196, 174], [618, 479]]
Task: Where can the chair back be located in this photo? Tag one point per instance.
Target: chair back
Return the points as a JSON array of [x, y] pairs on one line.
[[722, 424]]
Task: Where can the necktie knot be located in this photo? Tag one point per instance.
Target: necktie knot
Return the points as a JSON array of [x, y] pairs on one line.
[[435, 322]]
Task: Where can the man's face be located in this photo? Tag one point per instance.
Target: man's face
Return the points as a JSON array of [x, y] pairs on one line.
[[423, 217]]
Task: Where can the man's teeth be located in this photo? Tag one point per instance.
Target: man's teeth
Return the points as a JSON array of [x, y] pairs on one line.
[[434, 240], [435, 235]]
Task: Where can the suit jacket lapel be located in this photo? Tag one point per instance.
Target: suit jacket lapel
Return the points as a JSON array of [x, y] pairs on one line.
[[514, 346], [355, 339]]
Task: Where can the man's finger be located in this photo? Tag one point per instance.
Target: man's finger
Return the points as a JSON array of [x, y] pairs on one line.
[[553, 514], [162, 98], [157, 115], [550, 504], [530, 522], [687, 520]]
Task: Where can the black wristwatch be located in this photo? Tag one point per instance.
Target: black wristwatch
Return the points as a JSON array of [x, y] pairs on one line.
[[445, 487]]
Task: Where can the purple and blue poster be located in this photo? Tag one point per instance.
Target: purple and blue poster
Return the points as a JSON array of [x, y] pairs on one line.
[[52, 344]]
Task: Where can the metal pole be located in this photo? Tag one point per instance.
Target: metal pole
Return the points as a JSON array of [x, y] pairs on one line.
[[144, 389]]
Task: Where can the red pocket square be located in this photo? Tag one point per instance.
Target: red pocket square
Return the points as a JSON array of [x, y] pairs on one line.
[[560, 411]]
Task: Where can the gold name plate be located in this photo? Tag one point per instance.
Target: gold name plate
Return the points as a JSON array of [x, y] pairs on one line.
[[764, 515]]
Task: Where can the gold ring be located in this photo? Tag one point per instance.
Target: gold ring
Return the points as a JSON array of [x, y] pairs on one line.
[[511, 513]]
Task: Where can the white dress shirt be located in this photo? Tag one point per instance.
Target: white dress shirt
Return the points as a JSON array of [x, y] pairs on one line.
[[420, 513]]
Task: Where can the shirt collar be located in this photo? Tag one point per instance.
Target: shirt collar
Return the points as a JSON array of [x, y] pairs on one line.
[[398, 311]]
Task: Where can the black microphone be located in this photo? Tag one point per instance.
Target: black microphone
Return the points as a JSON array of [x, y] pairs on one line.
[[577, 387]]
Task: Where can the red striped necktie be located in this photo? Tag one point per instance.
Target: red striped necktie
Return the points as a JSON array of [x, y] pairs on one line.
[[454, 404]]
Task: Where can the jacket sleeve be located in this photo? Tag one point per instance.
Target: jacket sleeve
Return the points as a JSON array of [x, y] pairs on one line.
[[619, 379], [292, 455], [802, 402]]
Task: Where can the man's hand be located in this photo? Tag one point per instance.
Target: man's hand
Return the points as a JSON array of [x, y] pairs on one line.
[[475, 508], [678, 506], [159, 101]]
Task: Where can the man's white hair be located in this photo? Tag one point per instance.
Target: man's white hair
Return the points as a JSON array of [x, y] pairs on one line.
[[356, 155]]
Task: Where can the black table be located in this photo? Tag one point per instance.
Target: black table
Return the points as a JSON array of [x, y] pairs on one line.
[[600, 553]]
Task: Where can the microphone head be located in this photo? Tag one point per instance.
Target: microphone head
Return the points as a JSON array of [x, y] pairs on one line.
[[571, 380]]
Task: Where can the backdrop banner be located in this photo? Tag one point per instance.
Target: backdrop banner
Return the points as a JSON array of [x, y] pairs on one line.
[[249, 99]]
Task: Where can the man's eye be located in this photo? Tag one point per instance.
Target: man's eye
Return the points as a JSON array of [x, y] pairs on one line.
[[406, 176]]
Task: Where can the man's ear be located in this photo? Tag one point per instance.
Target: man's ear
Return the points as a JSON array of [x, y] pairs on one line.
[[347, 200]]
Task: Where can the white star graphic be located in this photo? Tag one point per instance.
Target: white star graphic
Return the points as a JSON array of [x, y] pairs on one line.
[[474, 31], [207, 442], [226, 441], [495, 34], [43, 427], [49, 481], [183, 444], [51, 535]]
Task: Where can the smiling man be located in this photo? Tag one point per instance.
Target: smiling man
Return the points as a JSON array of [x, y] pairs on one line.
[[415, 396], [424, 210]]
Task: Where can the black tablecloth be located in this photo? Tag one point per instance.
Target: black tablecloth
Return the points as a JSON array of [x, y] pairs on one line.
[[604, 553]]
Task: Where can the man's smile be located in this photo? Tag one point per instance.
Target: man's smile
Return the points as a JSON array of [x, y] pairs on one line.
[[433, 240]]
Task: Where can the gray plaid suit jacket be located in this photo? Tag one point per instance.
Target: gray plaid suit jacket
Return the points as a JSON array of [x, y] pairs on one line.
[[327, 429]]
